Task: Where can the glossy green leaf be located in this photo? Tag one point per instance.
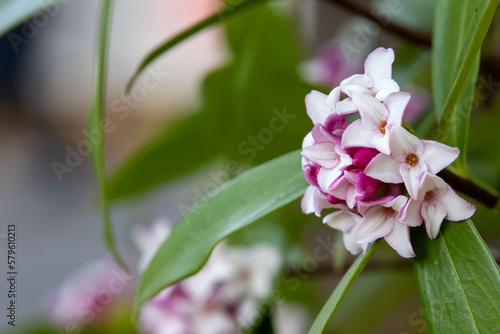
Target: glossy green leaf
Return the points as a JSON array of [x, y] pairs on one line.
[[237, 204], [458, 129], [458, 280], [459, 31], [96, 124], [15, 12], [227, 11], [338, 294]]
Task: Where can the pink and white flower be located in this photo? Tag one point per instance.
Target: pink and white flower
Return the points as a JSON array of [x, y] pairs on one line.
[[376, 81], [364, 169], [435, 201], [90, 294], [381, 220], [223, 297], [377, 120], [410, 158], [345, 221]]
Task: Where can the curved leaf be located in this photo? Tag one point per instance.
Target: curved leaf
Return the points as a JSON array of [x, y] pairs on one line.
[[15, 12], [237, 204], [96, 124], [338, 294], [216, 18], [459, 31], [458, 281], [172, 154]]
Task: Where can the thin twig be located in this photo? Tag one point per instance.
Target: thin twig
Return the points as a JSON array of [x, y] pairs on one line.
[[390, 25]]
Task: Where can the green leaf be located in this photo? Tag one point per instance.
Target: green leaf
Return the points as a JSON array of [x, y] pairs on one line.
[[458, 129], [16, 12], [458, 280], [338, 294], [237, 204], [177, 151], [459, 31], [181, 148], [96, 124], [227, 11]]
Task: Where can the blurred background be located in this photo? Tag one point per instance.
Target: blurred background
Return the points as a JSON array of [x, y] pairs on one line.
[[243, 71]]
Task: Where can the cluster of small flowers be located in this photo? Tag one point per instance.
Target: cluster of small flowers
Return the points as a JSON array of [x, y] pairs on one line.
[[225, 296], [380, 177]]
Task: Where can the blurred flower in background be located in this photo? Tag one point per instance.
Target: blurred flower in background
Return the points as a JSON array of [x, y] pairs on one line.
[[227, 294], [90, 295]]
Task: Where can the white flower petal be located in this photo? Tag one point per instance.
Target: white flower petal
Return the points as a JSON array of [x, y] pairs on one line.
[[346, 107], [437, 156], [384, 88], [396, 104], [410, 213], [324, 154], [307, 202], [433, 184], [384, 168], [399, 240], [456, 207], [308, 140], [340, 187], [403, 143], [433, 213], [378, 64], [374, 225], [412, 176], [317, 107], [373, 113], [357, 80], [381, 142], [326, 177], [356, 135], [351, 243], [350, 199], [333, 98], [398, 202], [342, 220]]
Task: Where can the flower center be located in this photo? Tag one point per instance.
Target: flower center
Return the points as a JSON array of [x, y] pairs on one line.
[[412, 159], [428, 195], [382, 127], [389, 210]]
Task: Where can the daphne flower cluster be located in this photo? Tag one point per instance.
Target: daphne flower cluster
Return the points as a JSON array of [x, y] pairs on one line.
[[225, 296], [380, 177]]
